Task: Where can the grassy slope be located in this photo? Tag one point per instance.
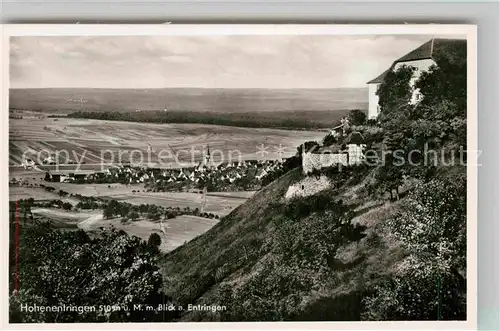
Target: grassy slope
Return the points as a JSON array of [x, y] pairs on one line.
[[232, 255]]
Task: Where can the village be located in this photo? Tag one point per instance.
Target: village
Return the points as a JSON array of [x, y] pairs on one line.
[[243, 175]]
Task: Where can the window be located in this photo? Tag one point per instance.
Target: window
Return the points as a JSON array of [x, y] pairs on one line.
[[418, 96]]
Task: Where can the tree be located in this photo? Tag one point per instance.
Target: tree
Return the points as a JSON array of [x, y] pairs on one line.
[[329, 140], [395, 92], [133, 215], [357, 117], [67, 206], [430, 283], [447, 81], [70, 268], [154, 239], [108, 212], [154, 215], [307, 146]]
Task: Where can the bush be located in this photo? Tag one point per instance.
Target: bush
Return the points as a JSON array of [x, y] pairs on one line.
[[430, 283], [307, 146], [67, 206], [170, 214], [154, 240], [49, 189], [133, 215], [329, 140], [357, 117]]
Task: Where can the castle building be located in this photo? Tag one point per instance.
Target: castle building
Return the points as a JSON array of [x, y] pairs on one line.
[[325, 157], [421, 59]]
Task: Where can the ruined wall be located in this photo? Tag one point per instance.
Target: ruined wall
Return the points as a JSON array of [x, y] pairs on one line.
[[355, 153], [308, 186], [312, 161]]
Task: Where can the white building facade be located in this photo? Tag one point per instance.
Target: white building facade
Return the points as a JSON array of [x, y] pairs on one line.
[[421, 59]]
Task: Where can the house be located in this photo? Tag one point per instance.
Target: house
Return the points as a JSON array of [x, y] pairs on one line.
[[421, 58], [49, 160], [69, 175], [28, 163]]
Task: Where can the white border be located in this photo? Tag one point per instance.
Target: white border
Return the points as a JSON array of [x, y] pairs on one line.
[[470, 31]]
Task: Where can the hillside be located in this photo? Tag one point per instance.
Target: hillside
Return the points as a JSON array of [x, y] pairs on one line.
[[306, 259], [385, 240]]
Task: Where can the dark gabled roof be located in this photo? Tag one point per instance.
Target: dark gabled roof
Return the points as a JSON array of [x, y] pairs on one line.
[[379, 78], [424, 51], [435, 49]]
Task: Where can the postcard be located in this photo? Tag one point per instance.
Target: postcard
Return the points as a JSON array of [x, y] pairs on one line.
[[222, 176]]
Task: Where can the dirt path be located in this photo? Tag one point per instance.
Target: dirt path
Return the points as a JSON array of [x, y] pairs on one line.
[[87, 223]]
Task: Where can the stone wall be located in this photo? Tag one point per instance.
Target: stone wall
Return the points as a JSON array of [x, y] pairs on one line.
[[308, 186], [311, 161], [355, 153], [314, 161]]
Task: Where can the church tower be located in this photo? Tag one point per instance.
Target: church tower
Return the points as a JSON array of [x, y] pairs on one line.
[[206, 161]]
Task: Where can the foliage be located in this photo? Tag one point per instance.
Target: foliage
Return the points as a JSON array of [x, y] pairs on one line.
[[154, 239], [395, 92], [422, 137], [308, 245], [288, 165], [59, 268], [113, 208], [447, 81], [329, 140], [430, 282], [357, 117], [67, 206], [272, 119], [301, 207], [307, 146]]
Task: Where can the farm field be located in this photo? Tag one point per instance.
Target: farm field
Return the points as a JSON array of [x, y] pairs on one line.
[[219, 203], [215, 204], [179, 230], [37, 193], [73, 217], [97, 142]]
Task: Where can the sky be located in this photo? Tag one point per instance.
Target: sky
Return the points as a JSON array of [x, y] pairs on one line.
[[315, 61]]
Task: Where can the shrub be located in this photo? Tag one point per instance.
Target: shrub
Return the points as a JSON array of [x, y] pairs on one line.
[[154, 240], [329, 140], [133, 215], [67, 206], [431, 282], [170, 214], [357, 117]]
